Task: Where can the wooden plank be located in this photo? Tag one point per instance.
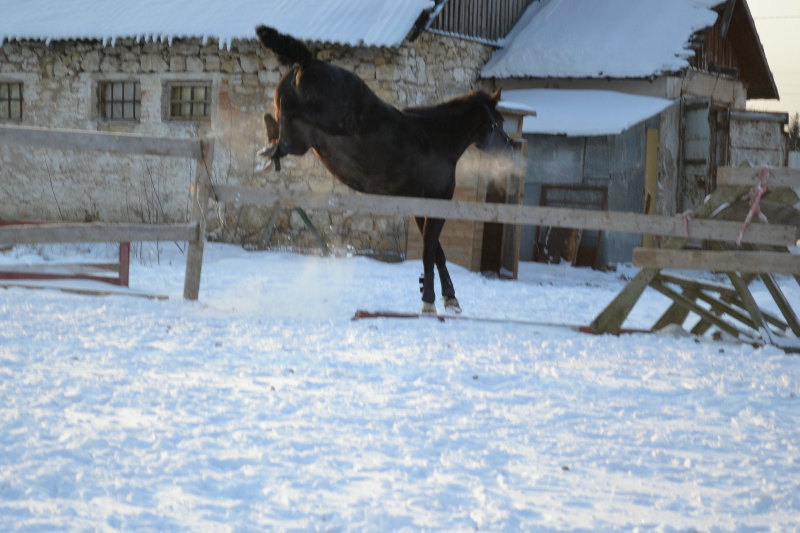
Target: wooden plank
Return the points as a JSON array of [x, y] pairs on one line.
[[746, 177], [751, 306], [612, 317], [102, 141], [96, 232], [698, 310], [783, 304], [68, 268], [111, 291], [202, 189], [697, 228], [719, 261], [676, 314], [687, 282]]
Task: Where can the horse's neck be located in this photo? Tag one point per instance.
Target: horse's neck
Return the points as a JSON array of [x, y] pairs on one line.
[[449, 128]]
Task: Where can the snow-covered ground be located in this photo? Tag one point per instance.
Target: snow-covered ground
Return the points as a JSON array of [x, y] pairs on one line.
[[264, 407]]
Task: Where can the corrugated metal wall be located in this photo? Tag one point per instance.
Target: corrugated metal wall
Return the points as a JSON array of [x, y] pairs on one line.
[[488, 20]]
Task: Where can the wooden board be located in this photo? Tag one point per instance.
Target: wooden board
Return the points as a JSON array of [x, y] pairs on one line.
[[363, 315], [721, 261], [697, 228], [97, 232], [102, 141], [746, 176], [70, 286]]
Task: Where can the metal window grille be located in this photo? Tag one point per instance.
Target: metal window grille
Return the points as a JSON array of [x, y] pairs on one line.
[[190, 101], [120, 100], [11, 101]]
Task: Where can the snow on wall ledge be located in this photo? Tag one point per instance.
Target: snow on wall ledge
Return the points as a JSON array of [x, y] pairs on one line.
[[583, 112], [384, 23], [590, 39]]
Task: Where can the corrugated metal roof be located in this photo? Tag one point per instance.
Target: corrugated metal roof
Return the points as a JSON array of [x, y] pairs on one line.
[[351, 22], [599, 39]]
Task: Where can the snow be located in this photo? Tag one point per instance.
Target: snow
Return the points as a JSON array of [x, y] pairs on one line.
[[355, 22], [609, 39], [584, 112], [263, 407]]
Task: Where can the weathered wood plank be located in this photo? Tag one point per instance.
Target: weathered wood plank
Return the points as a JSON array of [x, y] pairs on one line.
[[68, 268], [722, 261], [103, 141], [611, 318], [697, 228], [746, 176], [97, 232], [783, 304], [698, 310], [201, 191]]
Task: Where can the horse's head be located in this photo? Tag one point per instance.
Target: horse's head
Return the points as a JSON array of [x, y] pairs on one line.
[[491, 136]]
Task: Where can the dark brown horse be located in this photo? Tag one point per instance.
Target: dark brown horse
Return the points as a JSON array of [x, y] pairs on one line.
[[374, 147]]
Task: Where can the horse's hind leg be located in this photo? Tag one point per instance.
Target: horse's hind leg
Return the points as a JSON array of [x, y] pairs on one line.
[[270, 151]]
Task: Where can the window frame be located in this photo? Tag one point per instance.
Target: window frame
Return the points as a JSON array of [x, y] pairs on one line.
[[117, 108], [9, 100], [170, 102]]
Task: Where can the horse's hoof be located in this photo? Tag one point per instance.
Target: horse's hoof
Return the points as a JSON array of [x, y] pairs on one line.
[[264, 166], [428, 308], [451, 305], [268, 151]]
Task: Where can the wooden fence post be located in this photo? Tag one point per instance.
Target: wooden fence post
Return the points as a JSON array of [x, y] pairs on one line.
[[200, 192]]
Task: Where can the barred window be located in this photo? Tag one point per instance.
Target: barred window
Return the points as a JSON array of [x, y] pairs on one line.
[[11, 101], [120, 100], [189, 101]]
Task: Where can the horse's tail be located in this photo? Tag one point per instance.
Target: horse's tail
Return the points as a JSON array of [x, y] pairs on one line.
[[289, 49]]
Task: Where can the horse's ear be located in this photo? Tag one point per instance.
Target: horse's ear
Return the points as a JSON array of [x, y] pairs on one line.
[[496, 96]]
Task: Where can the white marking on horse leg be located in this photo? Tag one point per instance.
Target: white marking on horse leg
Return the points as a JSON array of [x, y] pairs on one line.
[[428, 308], [451, 305]]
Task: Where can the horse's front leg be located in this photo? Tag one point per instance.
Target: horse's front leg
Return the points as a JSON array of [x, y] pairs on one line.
[[433, 254], [448, 290]]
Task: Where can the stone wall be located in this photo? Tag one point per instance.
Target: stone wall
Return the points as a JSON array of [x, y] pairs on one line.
[[60, 91]]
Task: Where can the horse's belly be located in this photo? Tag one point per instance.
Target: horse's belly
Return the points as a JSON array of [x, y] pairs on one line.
[[366, 169]]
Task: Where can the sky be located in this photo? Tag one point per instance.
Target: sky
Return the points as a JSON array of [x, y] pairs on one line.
[[778, 24]]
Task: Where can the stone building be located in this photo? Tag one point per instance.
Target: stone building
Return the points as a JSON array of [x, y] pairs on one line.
[[183, 79], [194, 69], [615, 80]]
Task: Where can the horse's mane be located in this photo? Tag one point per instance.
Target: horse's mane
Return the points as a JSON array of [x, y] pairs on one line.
[[453, 108]]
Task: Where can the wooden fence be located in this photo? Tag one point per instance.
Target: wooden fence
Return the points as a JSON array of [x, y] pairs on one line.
[[193, 232], [669, 226], [679, 230]]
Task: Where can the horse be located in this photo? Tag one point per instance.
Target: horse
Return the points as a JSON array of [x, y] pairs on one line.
[[375, 148]]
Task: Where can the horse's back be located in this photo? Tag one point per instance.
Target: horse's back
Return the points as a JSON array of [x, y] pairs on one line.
[[329, 97]]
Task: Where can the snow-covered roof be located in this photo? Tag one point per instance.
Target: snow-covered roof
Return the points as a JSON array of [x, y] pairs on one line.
[[592, 39], [351, 22], [579, 113]]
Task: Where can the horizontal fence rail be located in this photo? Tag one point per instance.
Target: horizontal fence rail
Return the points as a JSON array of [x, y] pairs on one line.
[[97, 232], [720, 261], [746, 177], [757, 233], [127, 143]]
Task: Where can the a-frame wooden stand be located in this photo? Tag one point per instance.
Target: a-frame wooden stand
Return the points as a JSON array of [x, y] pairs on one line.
[[721, 308]]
